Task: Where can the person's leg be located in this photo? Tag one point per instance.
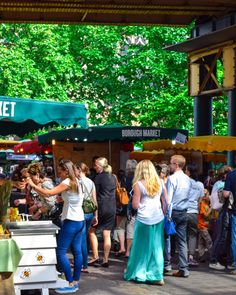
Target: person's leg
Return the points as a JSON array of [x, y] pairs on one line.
[[180, 219], [93, 244], [167, 256], [106, 244], [65, 238], [192, 232], [201, 245], [76, 251], [222, 224], [208, 241], [120, 230], [129, 235], [233, 238], [88, 220]]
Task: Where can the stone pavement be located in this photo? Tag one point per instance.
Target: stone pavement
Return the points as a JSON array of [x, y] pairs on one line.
[[109, 281]]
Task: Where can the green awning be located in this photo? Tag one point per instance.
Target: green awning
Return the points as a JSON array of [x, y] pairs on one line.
[[21, 116], [105, 133]]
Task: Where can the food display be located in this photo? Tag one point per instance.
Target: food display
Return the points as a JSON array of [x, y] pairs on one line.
[[13, 214], [4, 233]]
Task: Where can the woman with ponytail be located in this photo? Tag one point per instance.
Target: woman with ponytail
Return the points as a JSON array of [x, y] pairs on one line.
[[70, 235], [105, 183]]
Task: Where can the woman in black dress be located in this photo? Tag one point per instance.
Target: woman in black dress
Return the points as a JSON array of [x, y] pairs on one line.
[[105, 183]]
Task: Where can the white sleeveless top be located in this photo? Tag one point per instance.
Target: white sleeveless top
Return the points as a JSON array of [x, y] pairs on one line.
[[72, 207], [150, 211]]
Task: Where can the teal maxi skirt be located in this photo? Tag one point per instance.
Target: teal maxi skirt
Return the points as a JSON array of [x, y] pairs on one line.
[[146, 260]]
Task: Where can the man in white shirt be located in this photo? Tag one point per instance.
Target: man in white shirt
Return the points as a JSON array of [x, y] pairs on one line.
[[178, 186]]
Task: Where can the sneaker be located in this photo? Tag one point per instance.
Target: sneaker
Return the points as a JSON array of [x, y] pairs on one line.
[[230, 267], [69, 289], [217, 266], [192, 262], [168, 270], [180, 274], [233, 272]]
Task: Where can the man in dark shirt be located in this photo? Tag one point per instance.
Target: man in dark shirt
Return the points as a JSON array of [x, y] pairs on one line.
[[230, 186]]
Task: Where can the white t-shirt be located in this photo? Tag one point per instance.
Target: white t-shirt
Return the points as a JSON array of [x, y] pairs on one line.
[[196, 191], [88, 183], [215, 204], [150, 211], [72, 207]]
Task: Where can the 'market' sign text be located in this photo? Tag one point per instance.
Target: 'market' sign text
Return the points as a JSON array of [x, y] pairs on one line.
[[141, 133], [7, 109]]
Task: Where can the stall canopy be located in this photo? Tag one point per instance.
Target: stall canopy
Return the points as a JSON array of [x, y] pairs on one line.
[[211, 143], [21, 116], [32, 147], [7, 144], [106, 133]]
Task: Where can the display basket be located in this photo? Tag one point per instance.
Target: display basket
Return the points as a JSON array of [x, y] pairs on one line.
[[5, 236]]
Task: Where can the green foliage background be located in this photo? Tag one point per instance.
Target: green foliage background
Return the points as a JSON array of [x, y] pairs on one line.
[[121, 83]]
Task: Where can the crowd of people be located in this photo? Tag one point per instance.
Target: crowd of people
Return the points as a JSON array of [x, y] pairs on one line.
[[204, 214]]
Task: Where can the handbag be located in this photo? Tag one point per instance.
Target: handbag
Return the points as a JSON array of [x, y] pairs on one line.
[[88, 205], [121, 194], [169, 226]]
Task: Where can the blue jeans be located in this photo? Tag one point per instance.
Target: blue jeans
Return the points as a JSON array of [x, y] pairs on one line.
[[233, 237], [70, 236], [88, 220], [180, 219], [167, 255]]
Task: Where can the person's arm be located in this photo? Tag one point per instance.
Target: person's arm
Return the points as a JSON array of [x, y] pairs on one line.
[[164, 198], [48, 192], [18, 202], [169, 189], [227, 187], [95, 219], [136, 197]]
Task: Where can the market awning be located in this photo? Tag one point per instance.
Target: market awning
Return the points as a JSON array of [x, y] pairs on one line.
[[162, 155], [105, 133], [32, 147], [21, 116], [7, 144], [155, 156], [211, 143]]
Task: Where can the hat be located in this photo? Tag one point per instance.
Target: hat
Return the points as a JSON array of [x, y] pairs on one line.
[[2, 176]]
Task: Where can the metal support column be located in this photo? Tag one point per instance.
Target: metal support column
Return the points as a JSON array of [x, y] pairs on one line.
[[231, 124], [203, 117]]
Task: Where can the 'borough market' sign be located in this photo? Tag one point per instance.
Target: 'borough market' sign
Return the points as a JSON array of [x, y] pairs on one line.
[[113, 133], [155, 133]]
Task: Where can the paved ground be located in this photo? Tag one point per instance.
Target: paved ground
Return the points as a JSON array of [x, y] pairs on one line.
[[110, 281]]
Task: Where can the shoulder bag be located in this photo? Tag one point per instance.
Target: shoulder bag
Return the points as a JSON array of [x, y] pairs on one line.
[[88, 205]]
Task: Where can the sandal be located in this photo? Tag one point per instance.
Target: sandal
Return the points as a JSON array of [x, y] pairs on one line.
[[119, 254], [84, 270], [93, 261]]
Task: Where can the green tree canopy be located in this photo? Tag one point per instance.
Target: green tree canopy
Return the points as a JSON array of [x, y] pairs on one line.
[[121, 72]]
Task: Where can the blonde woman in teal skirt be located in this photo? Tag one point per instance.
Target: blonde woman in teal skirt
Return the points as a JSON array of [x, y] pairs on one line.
[[146, 261]]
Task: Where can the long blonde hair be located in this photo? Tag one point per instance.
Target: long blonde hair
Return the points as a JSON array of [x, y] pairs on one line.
[[145, 170], [67, 165]]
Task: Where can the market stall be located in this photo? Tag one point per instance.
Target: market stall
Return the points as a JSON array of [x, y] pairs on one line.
[[198, 149], [112, 142]]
